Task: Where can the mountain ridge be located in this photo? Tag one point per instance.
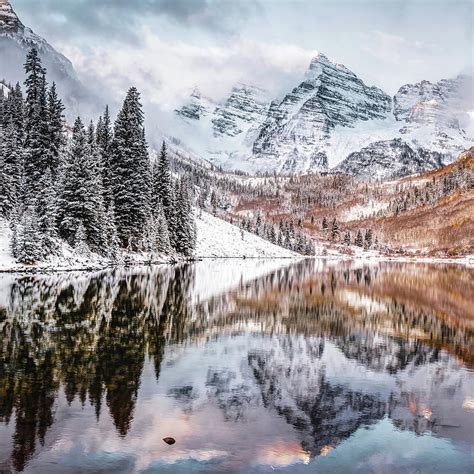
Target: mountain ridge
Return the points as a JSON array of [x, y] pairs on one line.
[[332, 119]]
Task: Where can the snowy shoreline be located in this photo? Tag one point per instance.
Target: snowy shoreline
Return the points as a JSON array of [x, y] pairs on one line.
[[335, 259]]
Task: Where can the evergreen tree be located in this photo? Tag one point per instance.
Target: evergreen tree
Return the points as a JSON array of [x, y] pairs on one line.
[[37, 157], [131, 172], [163, 244], [27, 241], [110, 231], [184, 237], [80, 241], [80, 198], [368, 238], [335, 230], [104, 139], [11, 154], [46, 206], [347, 238], [56, 129], [325, 223], [359, 241]]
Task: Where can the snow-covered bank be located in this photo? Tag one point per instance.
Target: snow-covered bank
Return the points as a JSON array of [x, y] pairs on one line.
[[217, 238], [67, 259]]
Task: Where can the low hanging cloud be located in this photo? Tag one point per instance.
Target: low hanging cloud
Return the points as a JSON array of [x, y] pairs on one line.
[[167, 71]]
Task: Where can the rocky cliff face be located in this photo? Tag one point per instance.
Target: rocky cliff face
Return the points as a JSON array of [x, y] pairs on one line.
[[196, 107], [333, 120]]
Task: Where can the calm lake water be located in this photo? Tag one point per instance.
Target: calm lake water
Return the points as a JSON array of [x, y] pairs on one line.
[[252, 366]]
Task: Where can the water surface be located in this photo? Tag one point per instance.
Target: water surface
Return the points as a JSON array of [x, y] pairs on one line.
[[252, 366]]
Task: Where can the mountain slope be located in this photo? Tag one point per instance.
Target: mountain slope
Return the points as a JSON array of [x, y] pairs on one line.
[[15, 41]]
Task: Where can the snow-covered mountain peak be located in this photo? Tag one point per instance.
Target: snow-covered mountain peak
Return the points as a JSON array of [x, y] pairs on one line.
[[320, 63], [245, 106], [16, 40], [9, 20]]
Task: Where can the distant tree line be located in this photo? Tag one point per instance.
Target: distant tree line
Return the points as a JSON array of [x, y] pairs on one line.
[[92, 186]]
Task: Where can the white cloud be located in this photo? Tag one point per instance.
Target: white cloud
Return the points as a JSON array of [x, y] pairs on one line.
[[166, 71]]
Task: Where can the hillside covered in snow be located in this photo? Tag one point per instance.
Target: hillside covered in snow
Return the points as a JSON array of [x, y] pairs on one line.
[[217, 238]]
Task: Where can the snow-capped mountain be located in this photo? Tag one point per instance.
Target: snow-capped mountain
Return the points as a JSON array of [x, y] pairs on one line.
[[296, 131], [244, 107], [15, 41], [332, 120]]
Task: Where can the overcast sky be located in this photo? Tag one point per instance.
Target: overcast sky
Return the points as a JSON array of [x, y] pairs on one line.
[[165, 47]]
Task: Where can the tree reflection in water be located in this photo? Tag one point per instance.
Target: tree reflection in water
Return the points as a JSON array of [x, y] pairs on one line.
[[89, 335]]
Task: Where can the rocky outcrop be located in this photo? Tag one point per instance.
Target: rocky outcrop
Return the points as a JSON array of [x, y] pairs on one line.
[[196, 107]]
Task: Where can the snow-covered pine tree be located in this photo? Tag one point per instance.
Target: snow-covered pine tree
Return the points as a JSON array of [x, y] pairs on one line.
[[359, 241], [96, 232], [184, 238], [368, 238], [110, 230], [162, 182], [163, 244], [347, 238], [56, 129], [12, 151], [37, 156], [5, 184], [27, 240], [80, 196], [80, 241], [104, 139], [46, 206], [131, 172], [335, 230]]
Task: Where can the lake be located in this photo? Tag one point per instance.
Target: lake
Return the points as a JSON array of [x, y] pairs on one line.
[[251, 366]]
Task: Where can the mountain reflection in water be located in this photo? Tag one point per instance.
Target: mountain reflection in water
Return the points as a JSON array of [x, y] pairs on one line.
[[251, 368]]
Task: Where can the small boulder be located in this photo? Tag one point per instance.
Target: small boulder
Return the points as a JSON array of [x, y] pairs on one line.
[[169, 440]]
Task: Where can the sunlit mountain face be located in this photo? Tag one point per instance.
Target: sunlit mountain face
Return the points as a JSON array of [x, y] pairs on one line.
[[301, 367]]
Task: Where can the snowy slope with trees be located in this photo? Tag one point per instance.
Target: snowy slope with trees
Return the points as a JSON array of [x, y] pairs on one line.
[[91, 196]]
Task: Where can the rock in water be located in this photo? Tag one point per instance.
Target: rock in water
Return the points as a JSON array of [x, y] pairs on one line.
[[169, 440]]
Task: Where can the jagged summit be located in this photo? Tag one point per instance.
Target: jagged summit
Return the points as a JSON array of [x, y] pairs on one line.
[[9, 21], [319, 62]]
